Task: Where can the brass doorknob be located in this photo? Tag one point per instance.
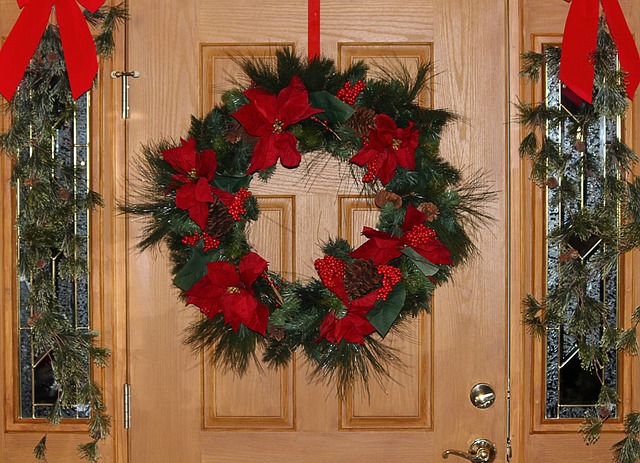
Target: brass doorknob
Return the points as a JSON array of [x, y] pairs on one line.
[[479, 450]]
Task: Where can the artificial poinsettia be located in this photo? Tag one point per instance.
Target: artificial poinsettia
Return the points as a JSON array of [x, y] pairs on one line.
[[387, 147], [227, 289], [353, 325], [267, 116], [381, 247], [194, 172]]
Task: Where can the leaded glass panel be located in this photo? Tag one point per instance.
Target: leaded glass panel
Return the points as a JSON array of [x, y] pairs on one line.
[[37, 386], [571, 391]]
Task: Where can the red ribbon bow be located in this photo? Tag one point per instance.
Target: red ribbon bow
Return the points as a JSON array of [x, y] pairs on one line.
[[77, 43], [579, 41]]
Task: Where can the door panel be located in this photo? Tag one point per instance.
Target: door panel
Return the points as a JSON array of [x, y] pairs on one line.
[[263, 398], [183, 410]]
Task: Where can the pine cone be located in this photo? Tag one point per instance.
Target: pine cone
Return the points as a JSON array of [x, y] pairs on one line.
[[430, 210], [360, 278], [31, 321], [569, 255], [29, 182], [219, 221], [362, 121], [580, 145], [276, 332], [233, 133], [383, 197]]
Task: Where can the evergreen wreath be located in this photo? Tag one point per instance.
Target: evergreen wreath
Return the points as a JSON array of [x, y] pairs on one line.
[[195, 196]]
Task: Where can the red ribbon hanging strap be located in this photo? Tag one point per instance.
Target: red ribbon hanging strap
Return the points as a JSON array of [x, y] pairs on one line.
[[313, 28], [579, 42], [77, 43]]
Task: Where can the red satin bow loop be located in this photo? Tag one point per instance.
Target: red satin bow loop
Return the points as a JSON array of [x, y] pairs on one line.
[[579, 41], [77, 43]]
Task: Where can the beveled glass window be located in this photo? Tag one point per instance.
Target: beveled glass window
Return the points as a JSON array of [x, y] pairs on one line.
[[36, 383], [571, 391]]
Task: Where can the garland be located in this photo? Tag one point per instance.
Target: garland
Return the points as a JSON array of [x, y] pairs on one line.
[[52, 199], [195, 196], [613, 220]]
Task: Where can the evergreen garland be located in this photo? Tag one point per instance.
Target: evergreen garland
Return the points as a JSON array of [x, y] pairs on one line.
[[614, 220], [52, 196], [339, 112]]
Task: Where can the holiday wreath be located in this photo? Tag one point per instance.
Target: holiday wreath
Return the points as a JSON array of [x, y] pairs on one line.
[[195, 196]]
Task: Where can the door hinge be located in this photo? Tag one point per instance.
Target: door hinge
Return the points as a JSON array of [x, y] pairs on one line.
[[509, 451], [127, 406], [124, 75]]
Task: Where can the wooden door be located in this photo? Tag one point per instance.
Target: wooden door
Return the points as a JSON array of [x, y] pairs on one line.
[[105, 147], [537, 437], [183, 411]]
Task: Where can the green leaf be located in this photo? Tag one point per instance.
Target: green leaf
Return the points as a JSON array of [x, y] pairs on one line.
[[231, 183], [421, 262], [335, 110], [384, 313], [193, 271]]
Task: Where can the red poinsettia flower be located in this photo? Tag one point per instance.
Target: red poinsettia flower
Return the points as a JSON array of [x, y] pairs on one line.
[[228, 290], [387, 148], [195, 198], [194, 172], [381, 247], [354, 325], [267, 117], [189, 163]]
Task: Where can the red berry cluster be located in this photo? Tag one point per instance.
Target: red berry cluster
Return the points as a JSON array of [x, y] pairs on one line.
[[372, 171], [270, 281], [237, 209], [390, 277], [419, 234], [330, 269], [210, 242], [348, 94], [323, 122]]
